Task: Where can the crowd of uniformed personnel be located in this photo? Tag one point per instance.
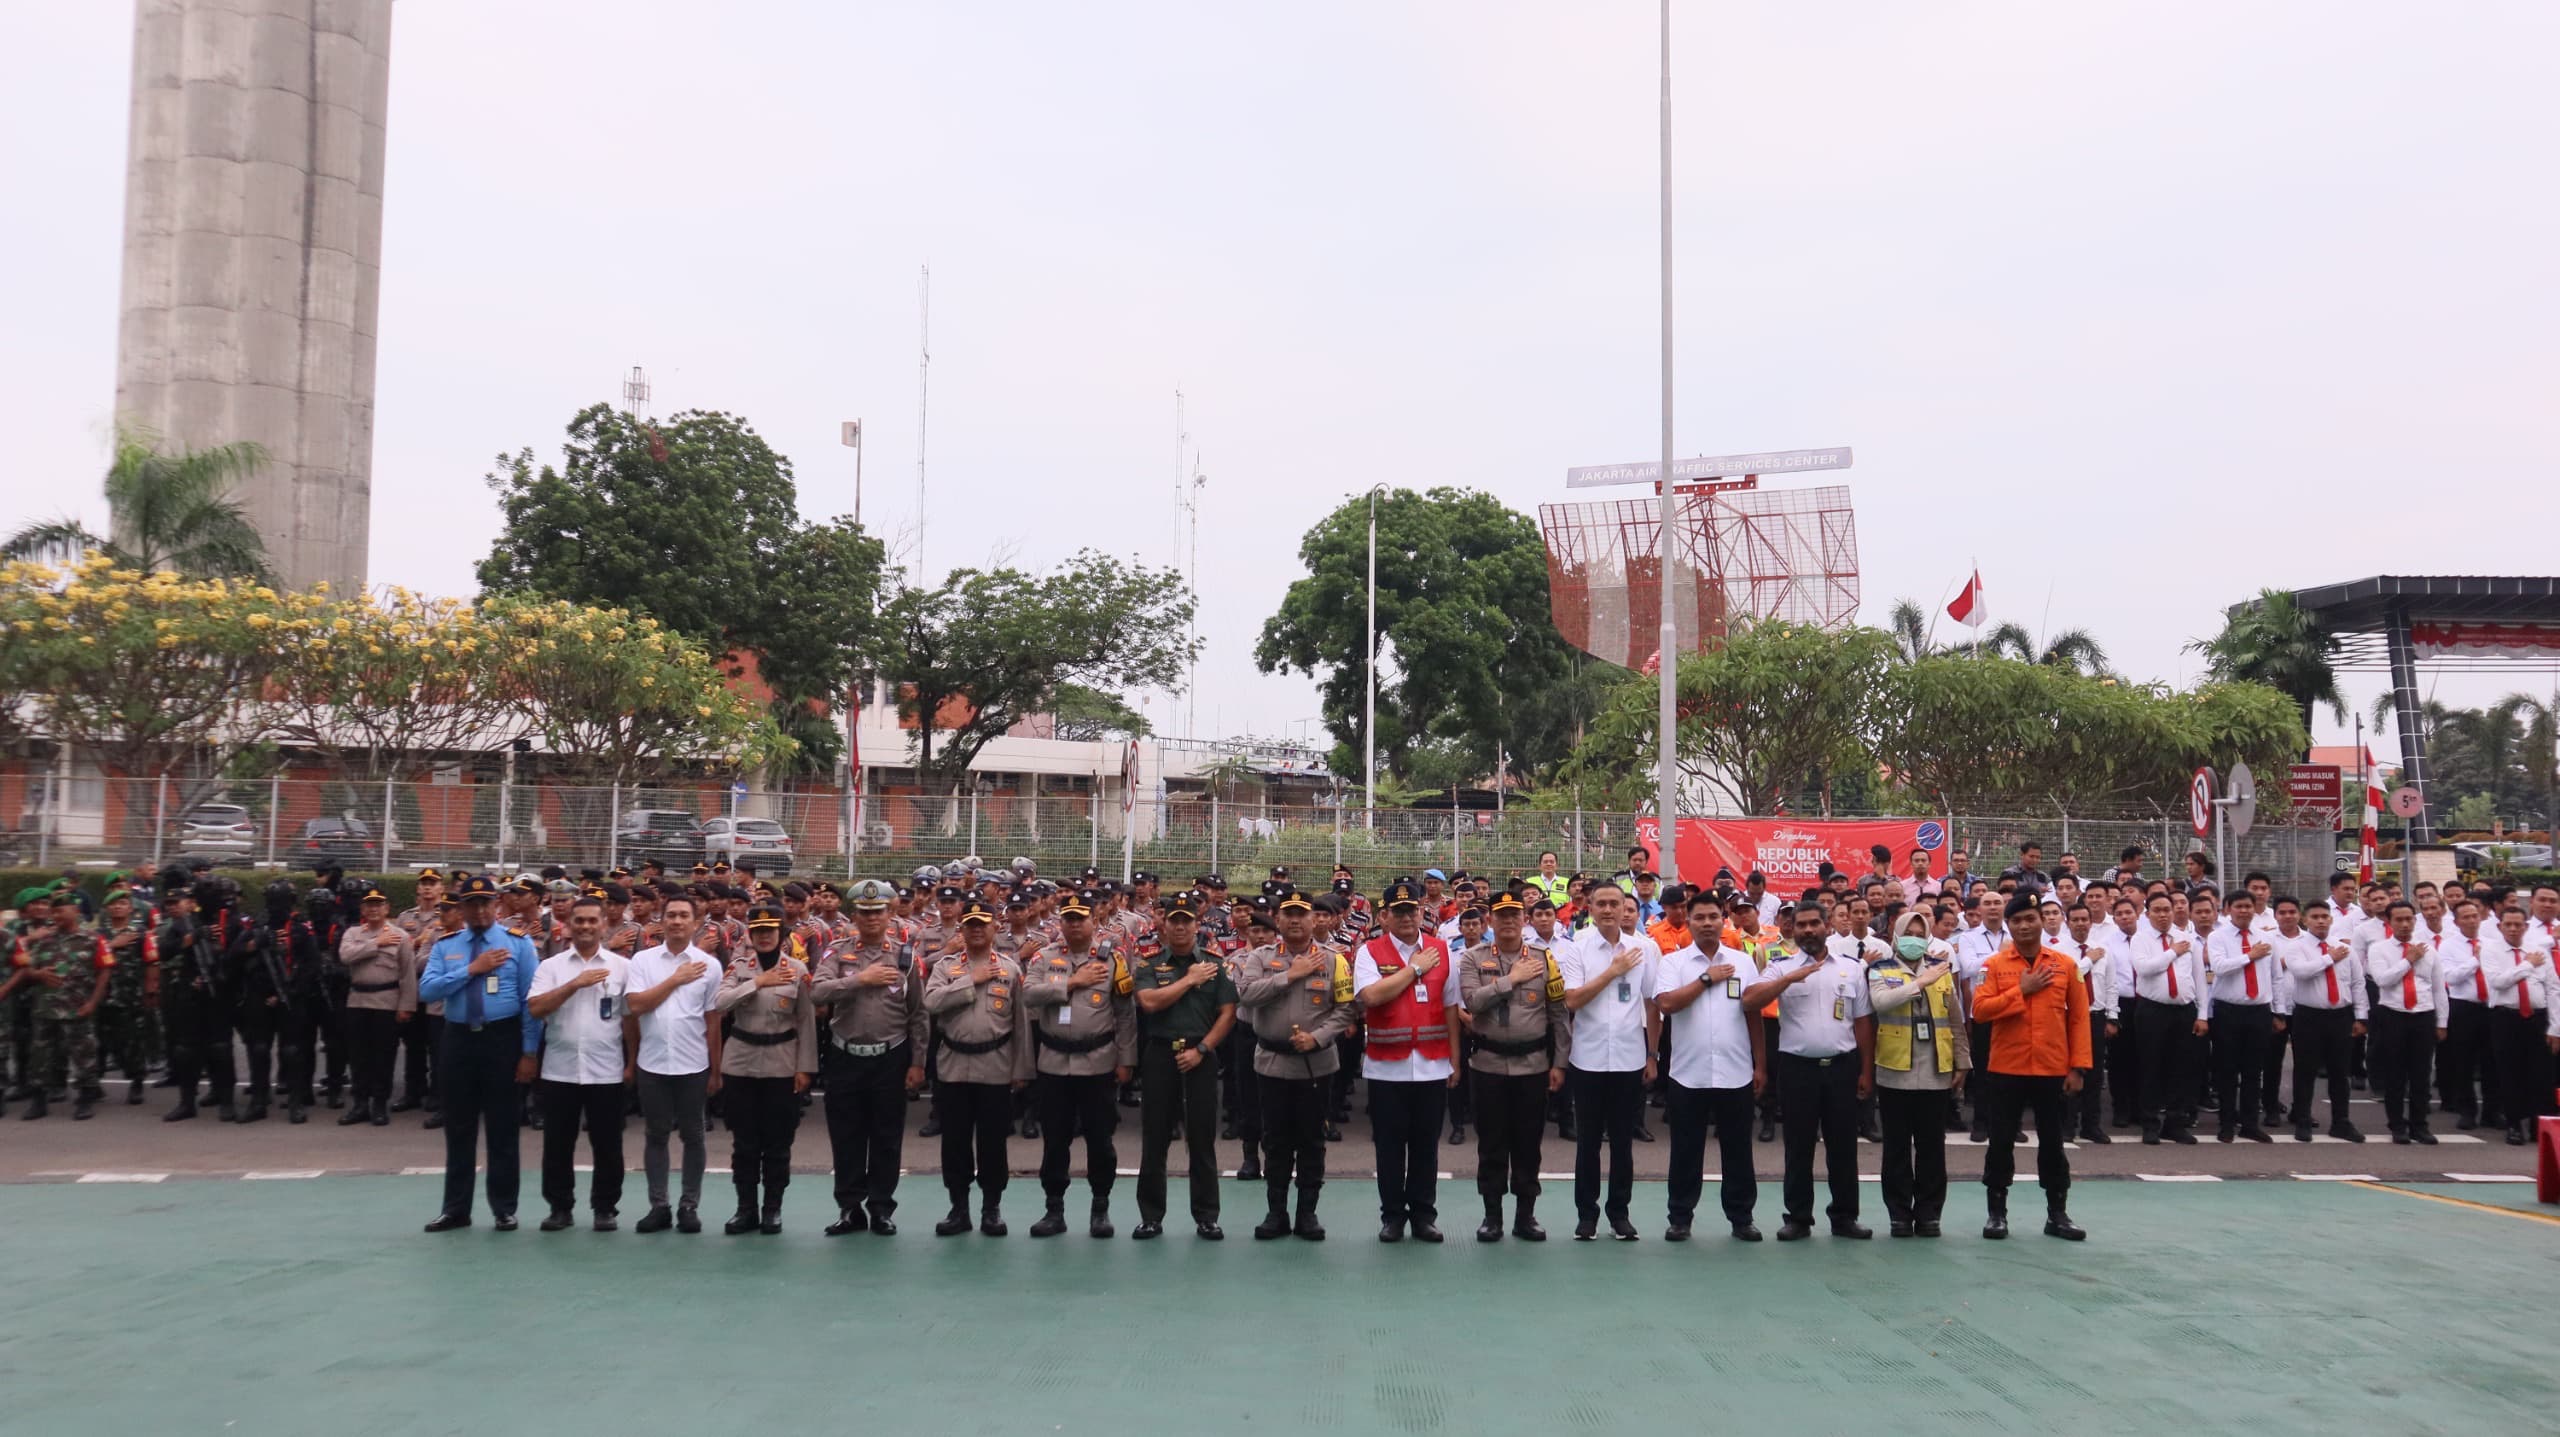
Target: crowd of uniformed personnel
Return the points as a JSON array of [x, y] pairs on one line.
[[1874, 1005]]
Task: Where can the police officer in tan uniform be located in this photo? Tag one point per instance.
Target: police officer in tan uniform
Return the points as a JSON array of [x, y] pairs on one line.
[[874, 1057], [1084, 1025], [766, 1056], [1295, 997], [1513, 997], [975, 1000]]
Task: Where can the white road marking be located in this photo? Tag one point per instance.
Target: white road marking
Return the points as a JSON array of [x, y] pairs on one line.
[[122, 1178], [2337, 1177], [2178, 1177], [2472, 1177], [281, 1176]]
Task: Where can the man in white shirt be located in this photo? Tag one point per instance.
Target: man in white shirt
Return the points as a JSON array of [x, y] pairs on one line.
[[2168, 1026], [2243, 987], [586, 1058], [1755, 891], [2466, 1071], [2517, 967], [1715, 1050], [2123, 920], [2329, 1005], [1825, 1063], [2086, 940], [670, 990], [2409, 1009], [1609, 988], [1977, 937]]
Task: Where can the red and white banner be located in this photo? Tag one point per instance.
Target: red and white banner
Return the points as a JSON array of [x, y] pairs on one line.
[[1967, 607], [1792, 851], [2471, 639]]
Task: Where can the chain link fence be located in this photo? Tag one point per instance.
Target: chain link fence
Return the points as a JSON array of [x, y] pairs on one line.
[[391, 826]]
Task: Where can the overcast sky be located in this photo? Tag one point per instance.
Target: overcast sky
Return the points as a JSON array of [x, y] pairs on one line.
[[2145, 306]]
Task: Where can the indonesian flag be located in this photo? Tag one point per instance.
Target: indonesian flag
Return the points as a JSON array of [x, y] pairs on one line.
[[1967, 607], [2369, 839]]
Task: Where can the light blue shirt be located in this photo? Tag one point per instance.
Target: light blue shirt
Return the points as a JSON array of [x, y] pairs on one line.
[[499, 994]]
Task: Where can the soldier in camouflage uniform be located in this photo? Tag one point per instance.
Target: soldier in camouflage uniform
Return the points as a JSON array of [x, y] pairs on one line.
[[68, 968], [129, 1024]]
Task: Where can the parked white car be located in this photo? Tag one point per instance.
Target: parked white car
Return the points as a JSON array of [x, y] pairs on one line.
[[215, 829], [2517, 855], [759, 841]]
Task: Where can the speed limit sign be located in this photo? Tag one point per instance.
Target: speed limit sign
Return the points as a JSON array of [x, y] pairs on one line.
[[2200, 802]]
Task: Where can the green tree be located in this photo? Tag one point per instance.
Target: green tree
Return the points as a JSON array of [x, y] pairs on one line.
[[2071, 649], [1463, 627], [694, 521], [166, 512], [987, 648], [1086, 714], [1759, 717], [2270, 640]]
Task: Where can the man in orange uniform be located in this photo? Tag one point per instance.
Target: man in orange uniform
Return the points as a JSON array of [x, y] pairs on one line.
[[2037, 1010]]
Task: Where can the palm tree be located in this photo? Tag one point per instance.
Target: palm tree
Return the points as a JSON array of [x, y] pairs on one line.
[[173, 513], [2071, 649], [1910, 628], [2270, 640], [2541, 754]]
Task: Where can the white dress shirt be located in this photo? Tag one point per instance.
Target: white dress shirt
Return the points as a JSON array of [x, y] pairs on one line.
[[2458, 963], [2235, 973], [672, 1037], [2119, 943], [582, 1039], [1711, 1038], [2096, 962], [1413, 1067], [1608, 1031], [2404, 976], [2325, 975], [2160, 972], [1817, 1018], [2513, 979], [1767, 903]]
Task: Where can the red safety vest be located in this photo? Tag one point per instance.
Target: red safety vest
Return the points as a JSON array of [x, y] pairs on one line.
[[1417, 1019]]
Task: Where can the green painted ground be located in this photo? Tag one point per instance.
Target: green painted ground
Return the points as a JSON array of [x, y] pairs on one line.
[[317, 1306]]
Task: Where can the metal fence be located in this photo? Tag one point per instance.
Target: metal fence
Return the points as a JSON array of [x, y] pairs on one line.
[[391, 826]]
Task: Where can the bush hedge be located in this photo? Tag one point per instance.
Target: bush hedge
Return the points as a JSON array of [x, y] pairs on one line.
[[400, 888]]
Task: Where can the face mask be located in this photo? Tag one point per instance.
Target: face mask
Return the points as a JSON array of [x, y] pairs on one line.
[[1910, 946]]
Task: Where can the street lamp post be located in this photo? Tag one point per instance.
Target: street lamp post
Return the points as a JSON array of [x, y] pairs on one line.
[[1369, 725], [1667, 659]]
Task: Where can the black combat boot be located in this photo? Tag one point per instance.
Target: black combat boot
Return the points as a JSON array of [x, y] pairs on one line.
[[1524, 1225], [1100, 1225], [851, 1219], [955, 1222], [1274, 1224], [2058, 1223], [296, 1111], [1053, 1219], [85, 1109], [257, 1112], [36, 1102], [357, 1112], [1995, 1225], [1490, 1230], [741, 1221], [185, 1109], [991, 1220], [227, 1110], [770, 1223]]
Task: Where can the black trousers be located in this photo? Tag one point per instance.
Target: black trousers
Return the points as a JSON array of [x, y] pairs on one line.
[[307, 1021], [2244, 1047], [333, 1033], [1405, 1118], [1238, 1091], [480, 1088], [199, 1040], [566, 1106], [2166, 1034], [2402, 1054], [1772, 1104], [258, 1022], [2009, 1096], [1462, 1098], [976, 1119], [373, 1043], [2320, 1041], [763, 1115], [1915, 1151], [2466, 1067], [1511, 1126], [1689, 1111], [1605, 1109], [866, 1126], [2523, 1064], [422, 1044], [1980, 1037], [2088, 1108], [1065, 1105], [2124, 1064], [1166, 1093], [1821, 1106], [1291, 1112]]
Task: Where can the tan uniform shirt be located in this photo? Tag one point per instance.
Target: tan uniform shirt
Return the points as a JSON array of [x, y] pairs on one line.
[[379, 972], [1079, 1032], [861, 1015], [757, 1016], [1275, 1008], [967, 1014], [1508, 1015], [423, 925]]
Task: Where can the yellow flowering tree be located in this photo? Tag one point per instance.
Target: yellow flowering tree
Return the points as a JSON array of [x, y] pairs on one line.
[[613, 696], [374, 682], [149, 674]]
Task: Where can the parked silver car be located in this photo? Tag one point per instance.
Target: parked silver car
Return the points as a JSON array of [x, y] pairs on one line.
[[759, 841], [215, 830], [2487, 854]]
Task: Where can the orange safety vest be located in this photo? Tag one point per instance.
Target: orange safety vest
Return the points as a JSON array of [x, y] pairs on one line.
[[1417, 1019]]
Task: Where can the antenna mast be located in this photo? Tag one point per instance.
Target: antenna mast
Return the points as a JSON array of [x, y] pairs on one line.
[[924, 376]]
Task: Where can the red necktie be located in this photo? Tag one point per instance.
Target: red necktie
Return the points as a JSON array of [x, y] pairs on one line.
[[2409, 981], [2524, 991], [2249, 968], [2333, 979], [2173, 973], [2479, 975]]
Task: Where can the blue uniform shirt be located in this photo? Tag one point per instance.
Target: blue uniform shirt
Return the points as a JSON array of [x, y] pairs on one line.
[[447, 979]]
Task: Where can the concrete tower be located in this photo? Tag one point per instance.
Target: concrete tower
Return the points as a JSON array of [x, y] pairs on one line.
[[253, 255]]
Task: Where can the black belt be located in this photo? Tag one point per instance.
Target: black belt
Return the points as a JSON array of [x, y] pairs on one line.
[[1284, 1045], [1070, 1045], [966, 1048], [760, 1040], [1512, 1048], [373, 987]]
